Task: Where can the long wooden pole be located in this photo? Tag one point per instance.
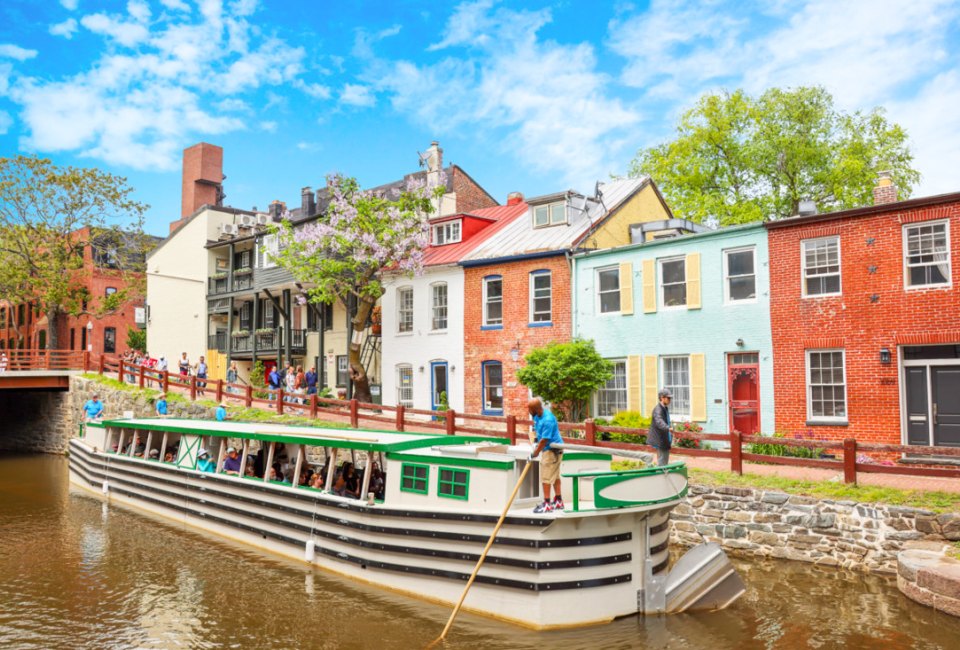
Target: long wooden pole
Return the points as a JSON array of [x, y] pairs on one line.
[[483, 556]]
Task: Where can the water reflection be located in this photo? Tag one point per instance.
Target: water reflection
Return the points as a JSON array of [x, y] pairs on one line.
[[76, 575]]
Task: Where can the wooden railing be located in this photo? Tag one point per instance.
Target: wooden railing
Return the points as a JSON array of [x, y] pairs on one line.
[[23, 360], [847, 456]]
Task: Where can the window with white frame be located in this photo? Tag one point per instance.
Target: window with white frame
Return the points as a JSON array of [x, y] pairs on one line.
[[611, 398], [826, 385], [821, 266], [438, 306], [927, 254], [343, 370], [493, 300], [268, 248], [608, 290], [405, 385], [446, 233], [405, 309], [676, 378], [492, 386], [541, 297], [552, 214], [673, 282], [741, 277]]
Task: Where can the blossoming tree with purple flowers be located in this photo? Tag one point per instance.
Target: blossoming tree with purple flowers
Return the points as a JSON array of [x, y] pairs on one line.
[[342, 255]]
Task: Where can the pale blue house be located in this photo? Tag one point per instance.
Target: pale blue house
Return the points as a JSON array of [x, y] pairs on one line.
[[689, 312]]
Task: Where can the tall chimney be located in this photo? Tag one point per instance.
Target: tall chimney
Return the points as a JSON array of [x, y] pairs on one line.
[[434, 164], [307, 205], [885, 191], [202, 179]]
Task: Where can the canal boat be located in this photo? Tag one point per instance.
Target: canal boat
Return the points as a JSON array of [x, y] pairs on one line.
[[604, 556]]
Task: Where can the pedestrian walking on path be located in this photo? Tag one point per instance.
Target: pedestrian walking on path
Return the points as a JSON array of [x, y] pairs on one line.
[[659, 436]]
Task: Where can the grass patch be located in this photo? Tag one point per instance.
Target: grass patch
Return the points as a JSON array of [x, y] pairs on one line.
[[954, 550], [109, 382], [935, 501]]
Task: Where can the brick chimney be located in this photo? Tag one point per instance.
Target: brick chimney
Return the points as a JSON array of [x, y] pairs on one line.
[[885, 191], [513, 198], [307, 205], [202, 180]]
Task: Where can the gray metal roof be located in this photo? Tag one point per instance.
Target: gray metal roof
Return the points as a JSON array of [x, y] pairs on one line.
[[521, 238]]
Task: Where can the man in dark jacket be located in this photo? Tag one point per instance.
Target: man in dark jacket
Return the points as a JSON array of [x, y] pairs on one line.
[[659, 436]]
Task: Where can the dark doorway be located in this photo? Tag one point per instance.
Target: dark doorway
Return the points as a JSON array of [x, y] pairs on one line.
[[946, 405]]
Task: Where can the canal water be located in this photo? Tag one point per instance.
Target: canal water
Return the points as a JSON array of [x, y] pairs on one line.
[[76, 573]]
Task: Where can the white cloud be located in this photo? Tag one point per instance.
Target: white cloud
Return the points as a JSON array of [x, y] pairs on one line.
[[550, 105], [308, 146], [161, 82], [124, 32], [66, 29], [357, 95], [11, 51], [317, 91], [364, 41], [5, 122], [175, 5], [269, 126], [69, 5]]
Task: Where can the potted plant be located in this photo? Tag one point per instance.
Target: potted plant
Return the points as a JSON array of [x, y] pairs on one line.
[[220, 275], [246, 270], [241, 333]]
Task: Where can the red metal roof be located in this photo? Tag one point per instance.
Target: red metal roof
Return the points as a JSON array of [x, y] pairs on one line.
[[501, 215]]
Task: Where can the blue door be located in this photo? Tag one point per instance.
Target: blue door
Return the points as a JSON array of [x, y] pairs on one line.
[[438, 383]]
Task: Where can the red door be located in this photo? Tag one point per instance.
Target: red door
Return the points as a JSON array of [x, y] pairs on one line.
[[743, 372]]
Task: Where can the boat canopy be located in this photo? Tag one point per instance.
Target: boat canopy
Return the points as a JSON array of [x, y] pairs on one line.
[[345, 438]]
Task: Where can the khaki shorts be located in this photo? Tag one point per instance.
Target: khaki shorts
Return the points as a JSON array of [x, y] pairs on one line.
[[549, 466]]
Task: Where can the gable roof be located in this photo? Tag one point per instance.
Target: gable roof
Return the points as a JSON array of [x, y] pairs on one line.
[[501, 215], [519, 238]]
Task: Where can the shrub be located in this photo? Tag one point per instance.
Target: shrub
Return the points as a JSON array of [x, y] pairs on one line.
[[774, 449], [630, 420], [687, 427]]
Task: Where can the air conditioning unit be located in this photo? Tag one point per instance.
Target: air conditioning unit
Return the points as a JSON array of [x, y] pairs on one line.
[[229, 229], [247, 221], [263, 219]]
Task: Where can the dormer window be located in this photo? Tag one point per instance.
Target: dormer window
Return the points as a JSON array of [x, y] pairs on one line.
[[552, 214], [446, 233]]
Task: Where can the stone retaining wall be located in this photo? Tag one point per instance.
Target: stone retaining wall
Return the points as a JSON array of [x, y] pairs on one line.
[[844, 534], [930, 577]]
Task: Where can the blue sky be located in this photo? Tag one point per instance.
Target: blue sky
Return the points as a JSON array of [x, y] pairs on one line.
[[527, 96]]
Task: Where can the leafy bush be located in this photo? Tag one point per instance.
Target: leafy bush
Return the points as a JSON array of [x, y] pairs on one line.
[[629, 420], [686, 427], [566, 375], [774, 449]]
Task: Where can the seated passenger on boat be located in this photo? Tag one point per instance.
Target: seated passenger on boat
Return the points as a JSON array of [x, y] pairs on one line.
[[154, 454], [276, 474], [204, 464], [348, 484], [168, 457], [231, 464], [378, 481]]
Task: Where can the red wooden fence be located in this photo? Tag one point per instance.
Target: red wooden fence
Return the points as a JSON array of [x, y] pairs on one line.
[[845, 453]]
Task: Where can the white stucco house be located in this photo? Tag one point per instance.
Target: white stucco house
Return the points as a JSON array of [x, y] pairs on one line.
[[422, 316]]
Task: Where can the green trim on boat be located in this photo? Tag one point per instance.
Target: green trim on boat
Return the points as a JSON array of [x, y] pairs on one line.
[[586, 455], [453, 461]]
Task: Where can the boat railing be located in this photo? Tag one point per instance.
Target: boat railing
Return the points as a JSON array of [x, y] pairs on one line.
[[590, 487]]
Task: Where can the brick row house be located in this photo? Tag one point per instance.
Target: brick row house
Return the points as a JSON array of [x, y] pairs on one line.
[[865, 307], [24, 326], [688, 311], [517, 282]]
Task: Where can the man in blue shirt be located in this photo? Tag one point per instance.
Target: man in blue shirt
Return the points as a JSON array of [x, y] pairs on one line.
[[93, 408], [221, 412], [274, 378], [162, 405], [549, 443], [311, 381]]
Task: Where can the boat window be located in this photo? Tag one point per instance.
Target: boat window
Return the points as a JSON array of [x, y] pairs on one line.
[[414, 478], [454, 483]]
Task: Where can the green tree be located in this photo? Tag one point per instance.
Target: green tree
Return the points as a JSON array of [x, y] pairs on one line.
[[52, 219], [737, 159], [342, 256], [566, 374], [136, 339]]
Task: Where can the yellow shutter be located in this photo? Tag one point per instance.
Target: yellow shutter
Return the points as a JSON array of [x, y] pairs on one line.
[[698, 388], [693, 281], [634, 387], [626, 288], [649, 383], [649, 287]]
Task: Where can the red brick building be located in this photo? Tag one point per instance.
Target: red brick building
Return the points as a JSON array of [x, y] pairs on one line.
[[24, 326], [865, 314], [517, 283]]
